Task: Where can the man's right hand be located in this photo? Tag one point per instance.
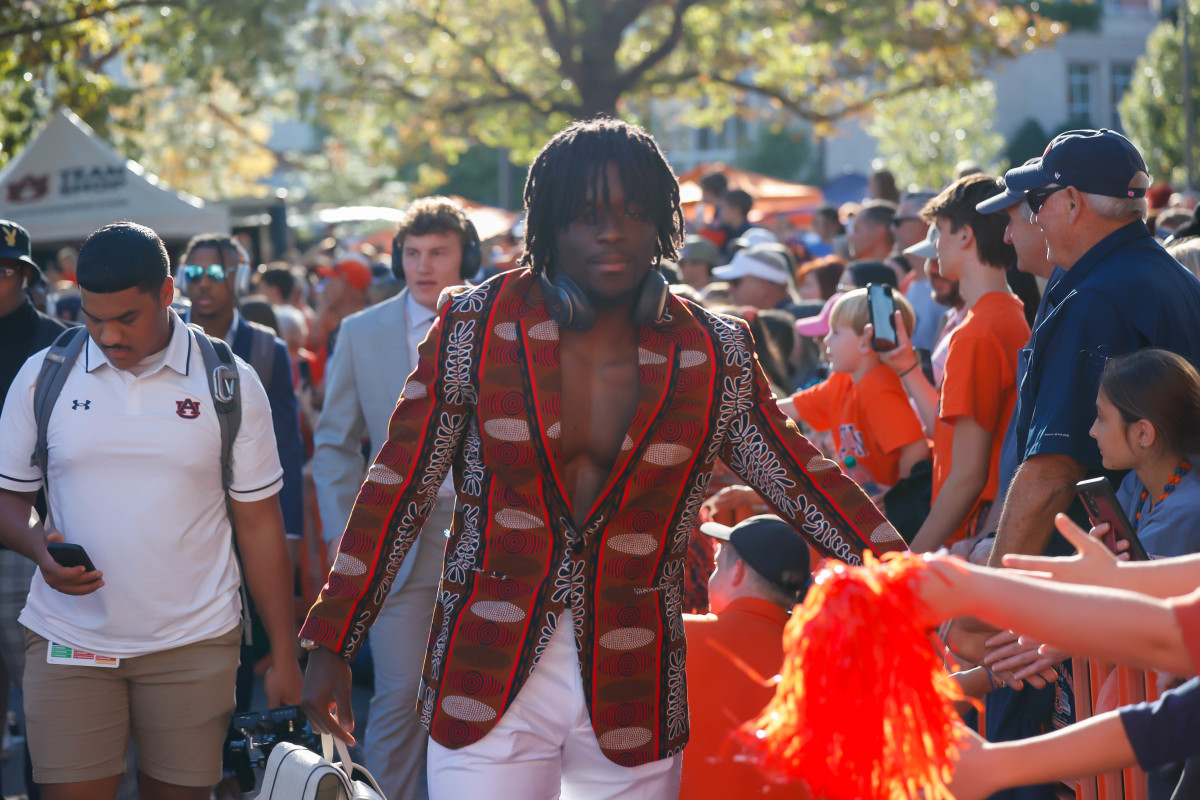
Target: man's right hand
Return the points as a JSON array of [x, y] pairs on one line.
[[68, 580], [326, 697]]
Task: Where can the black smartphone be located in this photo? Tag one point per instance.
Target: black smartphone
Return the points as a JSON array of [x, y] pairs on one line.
[[70, 555], [883, 316], [1101, 505], [304, 369]]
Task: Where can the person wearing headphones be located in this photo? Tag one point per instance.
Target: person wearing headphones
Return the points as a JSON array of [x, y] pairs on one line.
[[435, 246], [583, 408]]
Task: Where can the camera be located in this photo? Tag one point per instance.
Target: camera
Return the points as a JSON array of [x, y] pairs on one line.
[[255, 734]]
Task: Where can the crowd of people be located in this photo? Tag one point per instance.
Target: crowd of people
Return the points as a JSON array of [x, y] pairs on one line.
[[568, 488]]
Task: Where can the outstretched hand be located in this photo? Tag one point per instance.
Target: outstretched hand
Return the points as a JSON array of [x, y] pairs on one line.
[[1093, 563]]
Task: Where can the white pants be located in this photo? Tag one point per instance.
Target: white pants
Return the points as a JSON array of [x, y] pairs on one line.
[[544, 747]]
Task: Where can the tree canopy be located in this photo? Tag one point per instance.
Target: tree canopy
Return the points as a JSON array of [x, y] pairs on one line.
[[508, 73], [923, 136], [181, 84], [1152, 110], [191, 85]]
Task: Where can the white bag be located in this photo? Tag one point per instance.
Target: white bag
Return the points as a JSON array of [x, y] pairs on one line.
[[297, 773]]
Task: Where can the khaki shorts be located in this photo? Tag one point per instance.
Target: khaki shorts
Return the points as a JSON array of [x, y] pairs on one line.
[[176, 703]]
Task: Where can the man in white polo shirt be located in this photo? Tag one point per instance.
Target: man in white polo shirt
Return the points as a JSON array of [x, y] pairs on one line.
[[134, 476]]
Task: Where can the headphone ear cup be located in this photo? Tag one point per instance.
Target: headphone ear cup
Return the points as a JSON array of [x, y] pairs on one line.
[[566, 303], [241, 283], [472, 252], [651, 299], [397, 262]]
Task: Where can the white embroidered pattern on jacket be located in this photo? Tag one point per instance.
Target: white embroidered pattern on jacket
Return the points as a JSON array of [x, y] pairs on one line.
[[676, 694], [755, 461], [447, 601], [457, 385]]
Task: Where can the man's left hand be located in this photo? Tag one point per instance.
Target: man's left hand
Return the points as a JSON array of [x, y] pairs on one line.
[[283, 681]]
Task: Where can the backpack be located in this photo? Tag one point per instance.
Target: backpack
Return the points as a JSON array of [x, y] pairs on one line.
[[262, 353], [223, 384]]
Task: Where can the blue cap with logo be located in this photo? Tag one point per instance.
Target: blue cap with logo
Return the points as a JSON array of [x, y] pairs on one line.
[[1096, 162]]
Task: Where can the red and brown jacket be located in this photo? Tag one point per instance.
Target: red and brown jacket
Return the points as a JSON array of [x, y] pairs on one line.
[[486, 400]]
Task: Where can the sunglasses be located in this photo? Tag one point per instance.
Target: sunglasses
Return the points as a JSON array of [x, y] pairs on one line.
[[8, 272], [1036, 198], [898, 221], [194, 272]]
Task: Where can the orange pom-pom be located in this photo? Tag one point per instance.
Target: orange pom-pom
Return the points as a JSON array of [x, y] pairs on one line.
[[861, 711]]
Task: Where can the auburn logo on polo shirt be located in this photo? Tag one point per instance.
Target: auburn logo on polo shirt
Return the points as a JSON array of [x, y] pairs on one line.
[[187, 409]]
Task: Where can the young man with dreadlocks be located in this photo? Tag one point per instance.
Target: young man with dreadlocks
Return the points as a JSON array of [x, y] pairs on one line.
[[582, 408]]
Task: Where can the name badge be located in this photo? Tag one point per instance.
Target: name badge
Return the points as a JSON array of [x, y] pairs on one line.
[[74, 657]]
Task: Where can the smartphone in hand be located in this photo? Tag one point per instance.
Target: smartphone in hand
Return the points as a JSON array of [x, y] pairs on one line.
[[883, 317], [1101, 505], [70, 555]]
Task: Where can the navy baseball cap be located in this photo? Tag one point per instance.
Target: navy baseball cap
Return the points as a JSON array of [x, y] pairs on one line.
[[771, 547], [14, 244], [1097, 162], [1008, 197]]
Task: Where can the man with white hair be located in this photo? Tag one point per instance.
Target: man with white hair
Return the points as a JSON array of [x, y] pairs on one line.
[[1121, 292]]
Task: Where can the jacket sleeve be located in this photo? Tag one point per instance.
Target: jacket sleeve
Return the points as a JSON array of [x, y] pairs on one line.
[[424, 436], [285, 417], [768, 452], [338, 464]]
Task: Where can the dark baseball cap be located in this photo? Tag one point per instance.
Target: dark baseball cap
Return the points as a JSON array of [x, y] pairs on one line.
[[771, 547], [1007, 198], [14, 243], [1096, 162]]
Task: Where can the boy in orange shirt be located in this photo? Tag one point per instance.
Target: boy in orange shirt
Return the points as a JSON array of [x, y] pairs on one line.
[[863, 403], [969, 417]]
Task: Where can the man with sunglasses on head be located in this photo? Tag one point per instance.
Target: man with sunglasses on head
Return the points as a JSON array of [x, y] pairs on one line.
[[215, 270], [213, 264]]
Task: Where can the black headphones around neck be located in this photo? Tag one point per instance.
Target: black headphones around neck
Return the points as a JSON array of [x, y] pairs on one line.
[[568, 305], [472, 251]]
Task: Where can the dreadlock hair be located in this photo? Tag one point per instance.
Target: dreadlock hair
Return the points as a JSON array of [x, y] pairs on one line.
[[571, 167]]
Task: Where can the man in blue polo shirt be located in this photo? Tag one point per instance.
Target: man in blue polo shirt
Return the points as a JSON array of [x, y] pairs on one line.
[[1121, 292], [1114, 291]]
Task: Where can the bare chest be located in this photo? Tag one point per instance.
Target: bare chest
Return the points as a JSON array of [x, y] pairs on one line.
[[599, 399]]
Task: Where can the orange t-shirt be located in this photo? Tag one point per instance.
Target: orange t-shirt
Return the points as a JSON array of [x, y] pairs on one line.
[[980, 382], [721, 696], [870, 420]]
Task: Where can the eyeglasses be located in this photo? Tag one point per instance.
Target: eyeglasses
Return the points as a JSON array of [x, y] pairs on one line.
[[1036, 198], [193, 272], [898, 221]]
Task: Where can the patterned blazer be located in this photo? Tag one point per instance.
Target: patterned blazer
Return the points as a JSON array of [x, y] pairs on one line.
[[486, 399]]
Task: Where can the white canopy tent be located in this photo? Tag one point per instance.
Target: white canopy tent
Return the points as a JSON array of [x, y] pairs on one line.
[[68, 182]]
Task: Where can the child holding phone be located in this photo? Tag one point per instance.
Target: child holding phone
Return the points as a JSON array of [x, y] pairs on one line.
[[876, 433], [1148, 421]]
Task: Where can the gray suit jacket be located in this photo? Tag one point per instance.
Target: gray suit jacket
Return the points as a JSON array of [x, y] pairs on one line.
[[363, 381]]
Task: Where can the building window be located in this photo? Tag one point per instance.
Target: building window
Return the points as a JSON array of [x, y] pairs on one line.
[[1122, 76], [1079, 94]]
